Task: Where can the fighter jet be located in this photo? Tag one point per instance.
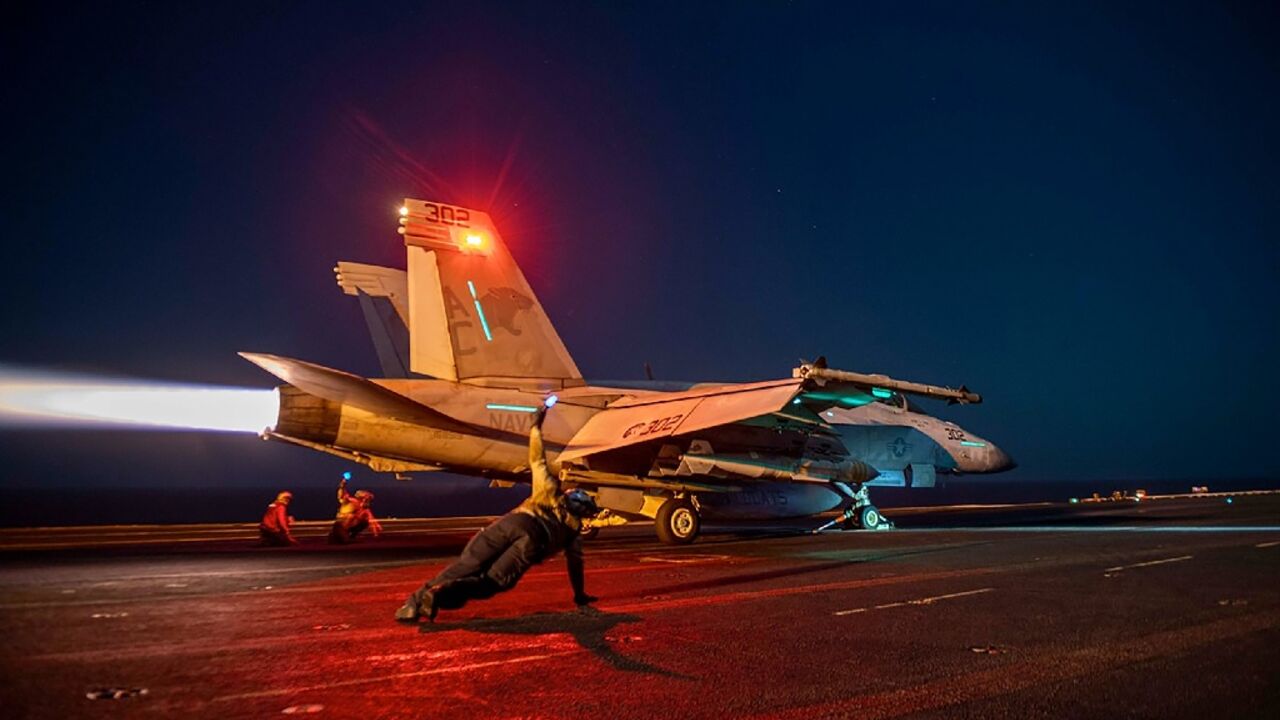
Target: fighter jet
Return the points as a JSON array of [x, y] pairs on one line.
[[470, 356]]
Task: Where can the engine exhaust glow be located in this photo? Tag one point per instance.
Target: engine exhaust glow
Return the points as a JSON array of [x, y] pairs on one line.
[[45, 400]]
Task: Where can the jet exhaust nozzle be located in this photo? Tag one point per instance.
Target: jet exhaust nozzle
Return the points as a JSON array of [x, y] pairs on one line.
[[307, 417]]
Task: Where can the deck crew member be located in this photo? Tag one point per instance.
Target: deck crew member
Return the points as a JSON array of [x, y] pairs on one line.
[[355, 515], [277, 521], [546, 523]]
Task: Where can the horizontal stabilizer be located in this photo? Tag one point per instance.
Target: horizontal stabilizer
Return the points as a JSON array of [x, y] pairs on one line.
[[347, 389]]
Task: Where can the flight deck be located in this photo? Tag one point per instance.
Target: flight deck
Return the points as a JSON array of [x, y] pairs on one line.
[[1166, 608]]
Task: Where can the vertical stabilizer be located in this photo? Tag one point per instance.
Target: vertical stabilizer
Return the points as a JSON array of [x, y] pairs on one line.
[[384, 299], [472, 315]]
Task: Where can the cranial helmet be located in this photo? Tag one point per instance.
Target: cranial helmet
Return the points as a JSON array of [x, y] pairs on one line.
[[579, 503]]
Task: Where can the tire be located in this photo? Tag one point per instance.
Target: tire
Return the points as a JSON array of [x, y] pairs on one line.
[[870, 518], [677, 522], [588, 532]]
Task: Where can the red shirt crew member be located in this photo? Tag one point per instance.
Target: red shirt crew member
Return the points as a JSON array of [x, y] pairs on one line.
[[276, 522]]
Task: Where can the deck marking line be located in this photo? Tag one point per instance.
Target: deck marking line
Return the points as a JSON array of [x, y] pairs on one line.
[[398, 676], [752, 595], [1149, 563], [919, 601]]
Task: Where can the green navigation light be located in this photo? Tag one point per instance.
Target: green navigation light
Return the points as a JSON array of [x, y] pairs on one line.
[[512, 408]]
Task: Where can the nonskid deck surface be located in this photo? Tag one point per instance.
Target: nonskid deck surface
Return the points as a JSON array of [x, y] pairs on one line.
[[1162, 609]]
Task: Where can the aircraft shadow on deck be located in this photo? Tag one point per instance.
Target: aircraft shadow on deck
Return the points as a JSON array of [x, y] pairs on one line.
[[745, 578], [589, 627]]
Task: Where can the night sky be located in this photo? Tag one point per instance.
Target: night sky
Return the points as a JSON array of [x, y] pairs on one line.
[[1074, 211]]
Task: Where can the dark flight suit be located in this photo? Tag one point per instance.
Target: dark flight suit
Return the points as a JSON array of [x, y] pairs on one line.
[[499, 555]]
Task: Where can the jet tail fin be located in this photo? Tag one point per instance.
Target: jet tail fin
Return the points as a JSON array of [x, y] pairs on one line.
[[472, 316], [384, 299]]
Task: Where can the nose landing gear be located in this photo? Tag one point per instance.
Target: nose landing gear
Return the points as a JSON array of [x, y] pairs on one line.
[[860, 514]]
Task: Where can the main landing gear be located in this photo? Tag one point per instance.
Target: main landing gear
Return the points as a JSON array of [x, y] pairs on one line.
[[677, 521]]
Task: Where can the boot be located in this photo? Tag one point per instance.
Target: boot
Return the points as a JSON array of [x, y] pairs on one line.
[[420, 604]]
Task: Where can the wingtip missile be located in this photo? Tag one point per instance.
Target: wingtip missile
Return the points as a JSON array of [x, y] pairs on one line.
[[822, 375]]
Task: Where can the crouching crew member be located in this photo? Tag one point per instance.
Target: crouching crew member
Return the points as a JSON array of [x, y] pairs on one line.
[[546, 523], [355, 515], [276, 522]]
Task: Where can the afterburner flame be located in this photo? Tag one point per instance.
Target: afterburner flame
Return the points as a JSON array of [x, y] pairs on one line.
[[51, 400]]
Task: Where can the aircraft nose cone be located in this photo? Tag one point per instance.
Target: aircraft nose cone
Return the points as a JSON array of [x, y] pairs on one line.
[[985, 459], [1000, 460]]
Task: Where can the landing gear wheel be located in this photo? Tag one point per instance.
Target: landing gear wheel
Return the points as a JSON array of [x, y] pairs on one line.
[[677, 522], [870, 518], [589, 532]]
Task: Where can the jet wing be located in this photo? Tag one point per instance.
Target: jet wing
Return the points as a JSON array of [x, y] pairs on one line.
[[347, 389], [640, 419]]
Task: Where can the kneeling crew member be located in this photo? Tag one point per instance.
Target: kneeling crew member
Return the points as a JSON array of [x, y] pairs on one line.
[[276, 522], [355, 514], [548, 522]]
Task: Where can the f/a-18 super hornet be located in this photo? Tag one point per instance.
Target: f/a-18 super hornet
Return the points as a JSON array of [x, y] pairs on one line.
[[469, 356]]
